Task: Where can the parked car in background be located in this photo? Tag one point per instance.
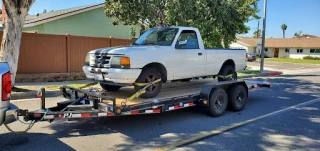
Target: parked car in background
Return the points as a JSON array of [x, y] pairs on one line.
[[7, 110], [251, 57]]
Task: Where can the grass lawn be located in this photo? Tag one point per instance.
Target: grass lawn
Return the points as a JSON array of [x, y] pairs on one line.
[[242, 73], [292, 60]]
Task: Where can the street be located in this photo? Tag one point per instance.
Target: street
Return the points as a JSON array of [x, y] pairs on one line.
[[294, 129]]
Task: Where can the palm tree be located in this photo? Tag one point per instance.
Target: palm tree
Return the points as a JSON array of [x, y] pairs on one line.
[[257, 34], [284, 28]]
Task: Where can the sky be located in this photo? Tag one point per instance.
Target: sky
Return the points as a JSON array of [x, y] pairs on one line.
[[298, 15]]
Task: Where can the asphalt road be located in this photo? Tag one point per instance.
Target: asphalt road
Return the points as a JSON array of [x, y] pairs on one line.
[[297, 129]]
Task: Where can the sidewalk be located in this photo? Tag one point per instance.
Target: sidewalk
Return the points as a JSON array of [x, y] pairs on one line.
[[30, 90]]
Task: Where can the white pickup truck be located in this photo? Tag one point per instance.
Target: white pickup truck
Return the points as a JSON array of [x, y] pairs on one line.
[[170, 53]]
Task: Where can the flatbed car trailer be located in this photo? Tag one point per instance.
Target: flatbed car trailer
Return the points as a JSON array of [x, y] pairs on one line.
[[214, 96]]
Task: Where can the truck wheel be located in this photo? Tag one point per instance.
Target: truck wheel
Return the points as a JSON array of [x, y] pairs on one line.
[[218, 102], [110, 87], [237, 98], [149, 75], [227, 70]]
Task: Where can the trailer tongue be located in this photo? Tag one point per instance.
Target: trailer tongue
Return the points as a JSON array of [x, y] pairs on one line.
[[214, 96]]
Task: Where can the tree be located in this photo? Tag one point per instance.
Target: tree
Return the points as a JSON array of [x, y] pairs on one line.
[[133, 32], [15, 14], [257, 34], [298, 34], [284, 28], [219, 21]]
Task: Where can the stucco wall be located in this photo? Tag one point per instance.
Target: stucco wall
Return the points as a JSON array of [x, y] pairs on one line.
[[92, 23], [306, 52], [236, 45]]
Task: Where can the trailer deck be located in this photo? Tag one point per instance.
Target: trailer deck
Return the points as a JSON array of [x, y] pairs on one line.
[[215, 96]]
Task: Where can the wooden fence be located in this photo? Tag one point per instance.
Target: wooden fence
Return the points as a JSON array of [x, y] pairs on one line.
[[43, 53]]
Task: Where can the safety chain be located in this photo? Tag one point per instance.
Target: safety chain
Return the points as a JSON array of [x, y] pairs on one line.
[[20, 132], [30, 125]]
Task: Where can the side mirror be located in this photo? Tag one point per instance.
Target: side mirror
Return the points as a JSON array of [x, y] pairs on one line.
[[180, 44]]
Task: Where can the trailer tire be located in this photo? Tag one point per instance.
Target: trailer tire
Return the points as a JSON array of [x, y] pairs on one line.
[[218, 102], [226, 70], [109, 87], [148, 75], [237, 98]]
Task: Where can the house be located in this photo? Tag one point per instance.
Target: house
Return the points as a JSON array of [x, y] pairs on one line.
[[307, 36], [281, 47], [79, 21]]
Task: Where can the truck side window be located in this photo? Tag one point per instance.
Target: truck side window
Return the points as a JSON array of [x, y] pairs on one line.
[[188, 40]]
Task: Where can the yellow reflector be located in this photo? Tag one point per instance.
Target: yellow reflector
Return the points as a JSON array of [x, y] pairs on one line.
[[124, 61], [118, 111], [205, 102]]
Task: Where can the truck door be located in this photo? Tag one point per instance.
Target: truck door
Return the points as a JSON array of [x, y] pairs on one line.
[[189, 58]]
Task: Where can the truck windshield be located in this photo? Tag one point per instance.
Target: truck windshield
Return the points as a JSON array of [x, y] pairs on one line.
[[159, 36]]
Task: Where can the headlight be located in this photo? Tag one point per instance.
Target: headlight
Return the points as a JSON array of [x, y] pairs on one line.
[[120, 62]]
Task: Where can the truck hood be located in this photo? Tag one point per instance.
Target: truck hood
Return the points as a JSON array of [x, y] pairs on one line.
[[120, 50]]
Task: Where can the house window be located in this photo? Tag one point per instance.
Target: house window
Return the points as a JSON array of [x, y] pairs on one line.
[[265, 49], [287, 50], [299, 50], [314, 50]]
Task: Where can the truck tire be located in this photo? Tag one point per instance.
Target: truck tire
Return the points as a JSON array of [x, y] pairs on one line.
[[218, 102], [110, 87], [149, 75], [238, 97], [227, 70]]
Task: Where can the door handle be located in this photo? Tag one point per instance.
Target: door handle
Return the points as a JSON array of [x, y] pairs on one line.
[[199, 54]]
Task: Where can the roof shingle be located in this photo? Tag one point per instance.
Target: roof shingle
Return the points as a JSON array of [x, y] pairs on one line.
[[41, 17]]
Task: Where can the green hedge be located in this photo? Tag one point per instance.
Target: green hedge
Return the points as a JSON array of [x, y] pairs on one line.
[[311, 58]]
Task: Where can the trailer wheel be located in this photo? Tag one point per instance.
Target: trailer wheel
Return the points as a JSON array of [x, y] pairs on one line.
[[218, 102], [110, 87], [238, 97], [227, 70], [149, 75]]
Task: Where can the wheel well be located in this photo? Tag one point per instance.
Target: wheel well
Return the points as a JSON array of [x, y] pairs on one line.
[[229, 62], [160, 68]]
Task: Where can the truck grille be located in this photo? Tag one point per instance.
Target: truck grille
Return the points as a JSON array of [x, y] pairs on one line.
[[100, 61]]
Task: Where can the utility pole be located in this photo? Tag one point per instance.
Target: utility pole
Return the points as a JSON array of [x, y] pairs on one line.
[[263, 36], [258, 29]]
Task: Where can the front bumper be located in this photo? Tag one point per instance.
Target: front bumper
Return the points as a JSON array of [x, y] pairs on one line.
[[8, 115], [124, 76]]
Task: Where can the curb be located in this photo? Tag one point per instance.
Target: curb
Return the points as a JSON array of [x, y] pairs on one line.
[[56, 93], [33, 94], [268, 74]]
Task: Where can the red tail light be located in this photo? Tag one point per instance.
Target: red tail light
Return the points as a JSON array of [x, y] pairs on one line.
[[6, 86]]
